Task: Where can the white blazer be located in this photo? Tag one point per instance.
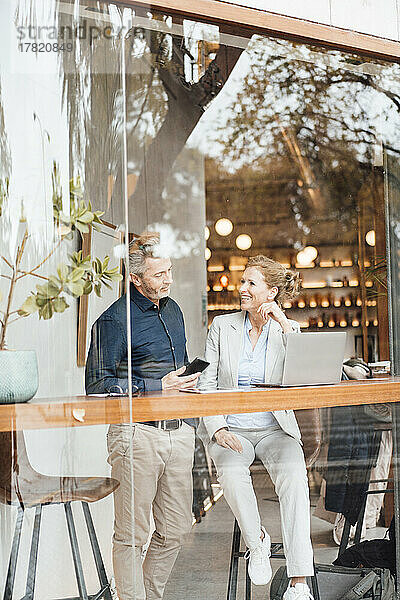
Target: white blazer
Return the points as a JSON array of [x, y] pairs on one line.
[[223, 350]]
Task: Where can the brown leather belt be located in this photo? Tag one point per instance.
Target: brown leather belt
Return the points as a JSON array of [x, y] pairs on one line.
[[168, 425]]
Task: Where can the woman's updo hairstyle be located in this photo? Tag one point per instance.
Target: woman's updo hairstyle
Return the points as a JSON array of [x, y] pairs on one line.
[[276, 275]]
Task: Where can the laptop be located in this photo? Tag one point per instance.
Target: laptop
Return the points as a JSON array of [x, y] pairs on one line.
[[312, 359]]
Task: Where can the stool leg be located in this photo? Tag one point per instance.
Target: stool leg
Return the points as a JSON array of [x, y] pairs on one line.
[[360, 520], [345, 537], [233, 568], [12, 565], [96, 552], [31, 577], [75, 552], [248, 582], [314, 584]]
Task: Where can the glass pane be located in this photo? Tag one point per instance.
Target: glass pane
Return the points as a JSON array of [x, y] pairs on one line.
[[203, 148], [62, 229], [279, 163]]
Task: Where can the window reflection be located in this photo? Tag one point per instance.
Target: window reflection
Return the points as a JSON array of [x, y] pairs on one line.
[[282, 142]]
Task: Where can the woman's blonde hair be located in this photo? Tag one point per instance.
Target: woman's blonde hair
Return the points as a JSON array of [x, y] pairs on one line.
[[276, 275]]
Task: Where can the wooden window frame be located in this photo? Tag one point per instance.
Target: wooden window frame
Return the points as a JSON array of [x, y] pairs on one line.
[[243, 18]]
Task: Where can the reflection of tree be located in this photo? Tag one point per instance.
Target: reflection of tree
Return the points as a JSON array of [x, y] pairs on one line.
[[329, 105], [163, 108], [186, 104], [320, 110]]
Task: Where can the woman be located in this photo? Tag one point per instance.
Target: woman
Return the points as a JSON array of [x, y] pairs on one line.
[[244, 348]]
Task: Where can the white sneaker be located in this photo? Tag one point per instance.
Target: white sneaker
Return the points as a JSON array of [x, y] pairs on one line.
[[260, 571], [300, 591]]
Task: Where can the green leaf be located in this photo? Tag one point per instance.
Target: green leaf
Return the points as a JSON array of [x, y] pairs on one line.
[[76, 289], [29, 307], [76, 274], [116, 277], [86, 217], [59, 305], [97, 289], [62, 271], [83, 228], [40, 301], [54, 280], [48, 290], [46, 312], [88, 287]]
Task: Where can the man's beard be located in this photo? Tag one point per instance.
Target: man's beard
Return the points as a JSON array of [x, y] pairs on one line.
[[153, 294]]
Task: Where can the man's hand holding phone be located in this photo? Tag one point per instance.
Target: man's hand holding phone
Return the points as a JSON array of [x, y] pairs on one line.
[[176, 380]]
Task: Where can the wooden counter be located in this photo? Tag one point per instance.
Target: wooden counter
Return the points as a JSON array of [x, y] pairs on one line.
[[78, 411]]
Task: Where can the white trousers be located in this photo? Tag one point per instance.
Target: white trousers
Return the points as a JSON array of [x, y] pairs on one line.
[[283, 458]]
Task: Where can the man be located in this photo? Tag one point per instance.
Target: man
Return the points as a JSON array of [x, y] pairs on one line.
[[162, 450]]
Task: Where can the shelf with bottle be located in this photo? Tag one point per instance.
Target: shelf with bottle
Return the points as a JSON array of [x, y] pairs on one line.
[[344, 263], [350, 301], [340, 320], [306, 285], [305, 302]]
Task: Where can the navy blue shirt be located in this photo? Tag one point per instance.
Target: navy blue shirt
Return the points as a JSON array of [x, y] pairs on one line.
[[158, 344]]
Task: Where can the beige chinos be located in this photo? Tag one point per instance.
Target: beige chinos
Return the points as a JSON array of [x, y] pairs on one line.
[[162, 482]]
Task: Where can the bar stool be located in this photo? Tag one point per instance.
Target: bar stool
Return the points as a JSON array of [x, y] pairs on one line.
[[310, 426], [22, 486]]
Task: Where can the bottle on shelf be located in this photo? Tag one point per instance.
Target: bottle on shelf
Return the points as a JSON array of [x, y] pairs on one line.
[[325, 302], [356, 321], [332, 320], [338, 302], [301, 303], [313, 302]]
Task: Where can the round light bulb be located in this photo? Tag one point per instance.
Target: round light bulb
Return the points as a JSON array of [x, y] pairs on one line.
[[223, 227], [243, 241], [206, 232], [207, 253], [370, 237], [310, 252], [301, 258]]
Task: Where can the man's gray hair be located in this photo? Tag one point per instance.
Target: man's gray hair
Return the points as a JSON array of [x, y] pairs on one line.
[[142, 247]]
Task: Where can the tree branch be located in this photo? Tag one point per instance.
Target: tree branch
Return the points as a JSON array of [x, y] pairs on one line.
[[31, 272], [25, 273], [185, 106], [15, 320], [7, 263]]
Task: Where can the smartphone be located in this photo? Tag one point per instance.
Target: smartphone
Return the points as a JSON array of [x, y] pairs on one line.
[[196, 366]]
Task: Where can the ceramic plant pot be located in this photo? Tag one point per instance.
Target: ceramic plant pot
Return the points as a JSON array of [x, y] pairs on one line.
[[19, 377]]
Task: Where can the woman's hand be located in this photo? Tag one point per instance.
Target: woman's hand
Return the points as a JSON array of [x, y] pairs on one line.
[[271, 309], [228, 440]]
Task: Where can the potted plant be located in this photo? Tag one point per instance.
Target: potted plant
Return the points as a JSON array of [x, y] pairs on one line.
[[80, 275]]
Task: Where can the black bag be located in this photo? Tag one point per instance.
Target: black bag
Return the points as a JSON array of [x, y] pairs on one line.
[[373, 553], [341, 583]]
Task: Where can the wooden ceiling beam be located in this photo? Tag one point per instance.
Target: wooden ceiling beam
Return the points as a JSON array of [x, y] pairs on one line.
[[240, 20]]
